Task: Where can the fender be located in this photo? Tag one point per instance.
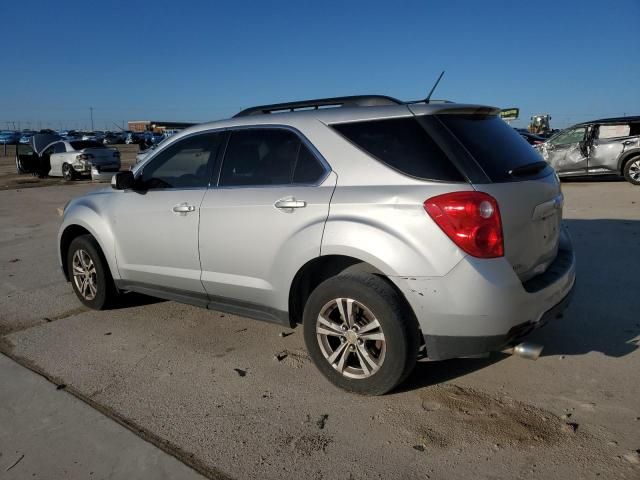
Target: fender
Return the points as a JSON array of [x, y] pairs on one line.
[[84, 213], [410, 252]]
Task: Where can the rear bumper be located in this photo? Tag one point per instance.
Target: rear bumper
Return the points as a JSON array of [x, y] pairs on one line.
[[482, 306], [440, 347], [103, 173]]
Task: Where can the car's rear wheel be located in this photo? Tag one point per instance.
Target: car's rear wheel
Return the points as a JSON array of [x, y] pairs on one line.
[[89, 273], [360, 333], [632, 171], [67, 172]]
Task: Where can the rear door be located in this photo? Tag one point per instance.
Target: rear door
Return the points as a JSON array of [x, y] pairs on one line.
[[266, 217], [609, 143], [527, 191]]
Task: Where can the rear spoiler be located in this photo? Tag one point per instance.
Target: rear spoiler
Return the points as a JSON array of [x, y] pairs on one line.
[[452, 109]]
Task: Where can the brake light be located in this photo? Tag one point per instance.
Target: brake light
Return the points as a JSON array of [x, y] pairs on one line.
[[116, 154], [471, 220]]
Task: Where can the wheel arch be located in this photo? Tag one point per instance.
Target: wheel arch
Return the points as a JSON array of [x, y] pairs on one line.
[[319, 269], [625, 157], [75, 229]]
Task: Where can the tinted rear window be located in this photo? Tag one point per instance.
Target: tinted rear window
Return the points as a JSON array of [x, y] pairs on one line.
[[402, 144], [496, 146], [82, 144]]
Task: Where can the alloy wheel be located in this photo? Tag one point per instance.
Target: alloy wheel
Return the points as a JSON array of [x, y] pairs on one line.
[[634, 170], [67, 174], [84, 275], [350, 338]]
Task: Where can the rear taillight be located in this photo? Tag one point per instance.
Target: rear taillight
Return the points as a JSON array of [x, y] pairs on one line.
[[471, 220], [116, 154]]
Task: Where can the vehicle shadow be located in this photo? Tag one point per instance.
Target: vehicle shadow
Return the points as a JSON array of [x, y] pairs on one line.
[[603, 315], [134, 299]]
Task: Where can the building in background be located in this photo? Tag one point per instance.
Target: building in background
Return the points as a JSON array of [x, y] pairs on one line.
[[156, 126]]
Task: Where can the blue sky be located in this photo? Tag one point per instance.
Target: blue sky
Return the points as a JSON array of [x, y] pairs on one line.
[[199, 61]]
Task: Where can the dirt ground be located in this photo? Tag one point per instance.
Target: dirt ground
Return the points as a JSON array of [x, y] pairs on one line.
[[238, 398]]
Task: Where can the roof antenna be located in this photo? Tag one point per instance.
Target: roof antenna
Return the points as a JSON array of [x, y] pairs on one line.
[[426, 100]]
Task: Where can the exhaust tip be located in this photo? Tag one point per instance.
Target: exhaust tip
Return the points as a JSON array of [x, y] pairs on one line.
[[530, 351]]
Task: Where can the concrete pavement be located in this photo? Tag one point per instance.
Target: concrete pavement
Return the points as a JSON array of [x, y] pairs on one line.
[[47, 433]]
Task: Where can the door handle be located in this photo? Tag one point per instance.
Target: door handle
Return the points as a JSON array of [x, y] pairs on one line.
[[626, 143], [183, 208], [290, 203]]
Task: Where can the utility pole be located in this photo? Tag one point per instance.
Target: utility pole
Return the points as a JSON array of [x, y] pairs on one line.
[[91, 112]]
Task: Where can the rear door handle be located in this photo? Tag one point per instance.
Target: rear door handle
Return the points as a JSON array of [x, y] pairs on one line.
[[290, 203], [183, 208]]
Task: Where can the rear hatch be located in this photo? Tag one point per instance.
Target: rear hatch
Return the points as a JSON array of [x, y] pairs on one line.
[[525, 187]]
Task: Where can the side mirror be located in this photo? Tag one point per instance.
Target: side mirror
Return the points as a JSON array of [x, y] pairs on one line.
[[123, 180]]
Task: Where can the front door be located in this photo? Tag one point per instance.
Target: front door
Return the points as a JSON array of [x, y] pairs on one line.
[[567, 153], [156, 225], [265, 219]]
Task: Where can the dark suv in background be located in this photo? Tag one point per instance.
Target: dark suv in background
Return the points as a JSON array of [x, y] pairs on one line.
[[609, 146]]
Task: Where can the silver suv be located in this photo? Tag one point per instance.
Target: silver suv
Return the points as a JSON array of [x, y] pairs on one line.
[[389, 230]]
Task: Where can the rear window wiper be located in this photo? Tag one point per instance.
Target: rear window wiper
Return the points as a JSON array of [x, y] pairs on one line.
[[528, 169]]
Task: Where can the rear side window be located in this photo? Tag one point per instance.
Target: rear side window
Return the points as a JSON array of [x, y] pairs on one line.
[[269, 156], [495, 146], [402, 144]]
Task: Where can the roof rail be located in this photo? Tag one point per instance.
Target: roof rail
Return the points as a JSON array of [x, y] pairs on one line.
[[352, 101]]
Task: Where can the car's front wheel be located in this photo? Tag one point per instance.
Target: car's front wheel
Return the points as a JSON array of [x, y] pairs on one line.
[[360, 333], [67, 172], [632, 171], [89, 273]]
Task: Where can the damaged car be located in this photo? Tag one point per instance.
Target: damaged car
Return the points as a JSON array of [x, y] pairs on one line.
[[389, 230], [50, 155], [602, 147]]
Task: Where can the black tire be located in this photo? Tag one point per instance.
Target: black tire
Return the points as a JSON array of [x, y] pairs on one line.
[[631, 170], [101, 280], [397, 322], [68, 173]]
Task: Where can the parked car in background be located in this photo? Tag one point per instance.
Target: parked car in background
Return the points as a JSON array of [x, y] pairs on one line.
[[132, 137], [113, 138], [9, 137], [384, 243], [53, 156], [609, 146], [95, 136], [26, 136]]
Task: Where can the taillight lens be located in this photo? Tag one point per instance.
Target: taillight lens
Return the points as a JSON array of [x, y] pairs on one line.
[[116, 154], [471, 220]]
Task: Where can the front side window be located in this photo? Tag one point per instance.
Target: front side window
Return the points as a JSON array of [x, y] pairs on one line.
[[184, 164], [574, 135], [268, 156]]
